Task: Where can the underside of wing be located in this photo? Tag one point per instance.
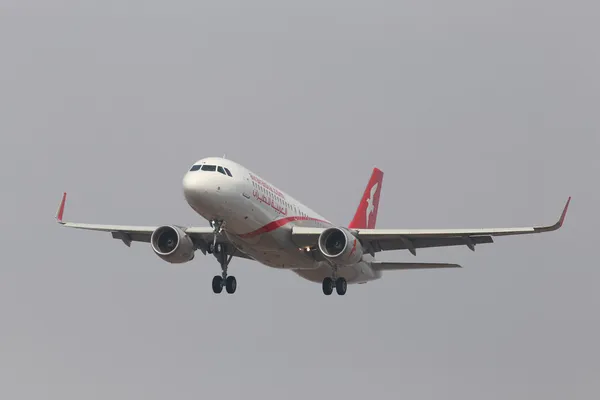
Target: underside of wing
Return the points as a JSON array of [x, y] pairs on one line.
[[376, 240], [393, 266]]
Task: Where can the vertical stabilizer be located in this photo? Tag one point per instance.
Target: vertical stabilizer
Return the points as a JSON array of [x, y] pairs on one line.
[[366, 213]]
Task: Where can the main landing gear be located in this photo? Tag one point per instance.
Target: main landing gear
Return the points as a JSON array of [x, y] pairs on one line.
[[340, 284], [220, 252]]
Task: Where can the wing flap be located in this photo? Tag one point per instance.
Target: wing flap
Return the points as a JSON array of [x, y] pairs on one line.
[[394, 266], [423, 243]]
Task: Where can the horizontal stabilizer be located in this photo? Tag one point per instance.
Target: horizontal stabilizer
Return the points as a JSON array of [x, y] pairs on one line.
[[392, 266]]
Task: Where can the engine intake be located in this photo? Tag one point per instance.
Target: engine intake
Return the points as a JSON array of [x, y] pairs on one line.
[[172, 244], [340, 246]]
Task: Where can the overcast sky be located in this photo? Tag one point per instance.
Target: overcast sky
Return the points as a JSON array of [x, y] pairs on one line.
[[481, 114]]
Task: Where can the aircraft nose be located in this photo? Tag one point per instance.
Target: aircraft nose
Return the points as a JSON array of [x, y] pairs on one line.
[[192, 186], [199, 187]]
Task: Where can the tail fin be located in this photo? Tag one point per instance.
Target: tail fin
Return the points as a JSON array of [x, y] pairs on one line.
[[366, 213]]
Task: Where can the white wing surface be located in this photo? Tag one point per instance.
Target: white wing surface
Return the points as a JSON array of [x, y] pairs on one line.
[[375, 240], [201, 236]]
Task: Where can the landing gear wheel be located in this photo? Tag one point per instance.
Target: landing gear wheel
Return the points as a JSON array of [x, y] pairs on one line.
[[327, 286], [217, 284], [341, 286], [230, 284], [220, 251]]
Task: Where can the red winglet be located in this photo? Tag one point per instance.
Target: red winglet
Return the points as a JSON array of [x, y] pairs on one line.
[[564, 213], [558, 224], [61, 208]]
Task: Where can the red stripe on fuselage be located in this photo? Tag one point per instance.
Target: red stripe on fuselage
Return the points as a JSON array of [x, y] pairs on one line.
[[271, 226]]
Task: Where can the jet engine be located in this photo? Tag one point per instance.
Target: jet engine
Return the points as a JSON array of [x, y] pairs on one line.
[[172, 244], [340, 246]]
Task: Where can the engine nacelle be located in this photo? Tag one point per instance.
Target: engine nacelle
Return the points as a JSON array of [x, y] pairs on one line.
[[340, 246], [172, 244]]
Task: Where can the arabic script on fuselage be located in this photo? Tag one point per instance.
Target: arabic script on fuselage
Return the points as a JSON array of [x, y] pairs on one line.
[[270, 202]]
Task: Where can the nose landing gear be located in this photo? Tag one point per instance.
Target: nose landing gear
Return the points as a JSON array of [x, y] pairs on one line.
[[219, 281], [220, 252]]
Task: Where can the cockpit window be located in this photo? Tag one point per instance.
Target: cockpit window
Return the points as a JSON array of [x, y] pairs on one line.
[[206, 167]]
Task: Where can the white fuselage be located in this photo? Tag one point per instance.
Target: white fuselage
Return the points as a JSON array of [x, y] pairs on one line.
[[258, 219]]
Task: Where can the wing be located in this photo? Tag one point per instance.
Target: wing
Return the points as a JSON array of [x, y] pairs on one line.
[[375, 240], [201, 236], [389, 266]]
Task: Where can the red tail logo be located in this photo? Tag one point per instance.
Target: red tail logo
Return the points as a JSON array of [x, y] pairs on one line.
[[366, 213]]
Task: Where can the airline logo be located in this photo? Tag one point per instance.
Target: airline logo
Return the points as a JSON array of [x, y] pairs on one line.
[[370, 205], [366, 213]]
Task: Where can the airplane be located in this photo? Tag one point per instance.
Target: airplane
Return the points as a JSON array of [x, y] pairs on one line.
[[250, 218]]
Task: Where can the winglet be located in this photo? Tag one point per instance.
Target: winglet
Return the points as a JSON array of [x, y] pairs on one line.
[[559, 223], [564, 213], [61, 209]]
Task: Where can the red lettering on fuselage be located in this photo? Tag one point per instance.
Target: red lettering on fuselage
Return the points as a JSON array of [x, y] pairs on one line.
[[270, 201], [266, 185]]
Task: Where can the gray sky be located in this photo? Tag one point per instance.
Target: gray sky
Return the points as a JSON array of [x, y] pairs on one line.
[[480, 114]]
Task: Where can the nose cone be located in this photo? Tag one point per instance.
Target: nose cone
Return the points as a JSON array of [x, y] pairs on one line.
[[193, 187], [203, 191]]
